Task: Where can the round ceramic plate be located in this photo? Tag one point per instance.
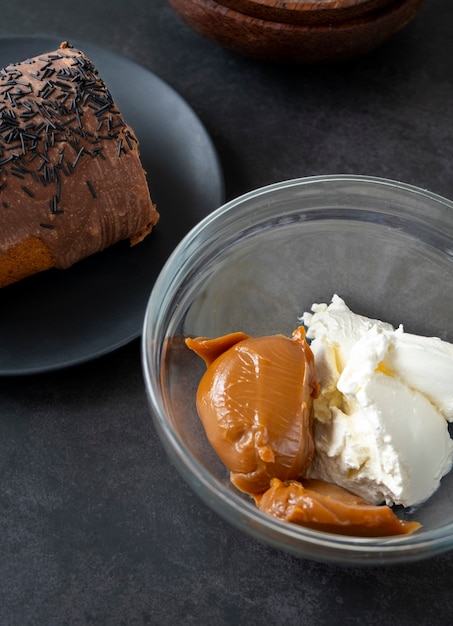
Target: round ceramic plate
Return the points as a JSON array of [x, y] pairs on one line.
[[61, 318]]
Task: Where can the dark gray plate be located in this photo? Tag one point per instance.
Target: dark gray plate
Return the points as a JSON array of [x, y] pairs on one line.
[[61, 318]]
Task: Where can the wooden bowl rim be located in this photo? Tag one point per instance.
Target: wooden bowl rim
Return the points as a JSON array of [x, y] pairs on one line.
[[307, 12]]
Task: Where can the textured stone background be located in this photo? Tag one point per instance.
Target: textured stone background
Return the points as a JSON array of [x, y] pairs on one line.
[[96, 526]]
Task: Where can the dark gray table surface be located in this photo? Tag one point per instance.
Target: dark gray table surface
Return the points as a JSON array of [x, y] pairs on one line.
[[96, 526]]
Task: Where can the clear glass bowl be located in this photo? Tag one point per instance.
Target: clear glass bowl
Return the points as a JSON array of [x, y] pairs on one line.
[[256, 264]]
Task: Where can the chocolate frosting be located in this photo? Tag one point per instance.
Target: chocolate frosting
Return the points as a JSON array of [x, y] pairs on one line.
[[70, 173]]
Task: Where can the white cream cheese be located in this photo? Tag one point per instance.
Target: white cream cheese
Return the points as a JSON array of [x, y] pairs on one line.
[[381, 419]]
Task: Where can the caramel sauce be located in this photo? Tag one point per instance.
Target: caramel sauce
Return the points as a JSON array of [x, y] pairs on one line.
[[255, 401], [322, 506]]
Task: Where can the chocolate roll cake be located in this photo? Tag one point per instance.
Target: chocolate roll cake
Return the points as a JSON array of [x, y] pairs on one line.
[[71, 180]]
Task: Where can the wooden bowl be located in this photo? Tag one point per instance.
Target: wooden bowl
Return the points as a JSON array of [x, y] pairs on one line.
[[298, 31]]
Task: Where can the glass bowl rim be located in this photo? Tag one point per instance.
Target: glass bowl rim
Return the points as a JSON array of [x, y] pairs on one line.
[[299, 541]]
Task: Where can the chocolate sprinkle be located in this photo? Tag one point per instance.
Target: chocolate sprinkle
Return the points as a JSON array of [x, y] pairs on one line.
[[28, 191], [91, 188]]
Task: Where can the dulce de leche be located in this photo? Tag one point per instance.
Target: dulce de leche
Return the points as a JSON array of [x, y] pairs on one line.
[[322, 506], [255, 403]]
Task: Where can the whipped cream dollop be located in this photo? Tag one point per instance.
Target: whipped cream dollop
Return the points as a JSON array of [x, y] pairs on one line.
[[381, 419]]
